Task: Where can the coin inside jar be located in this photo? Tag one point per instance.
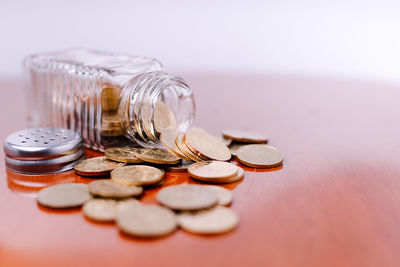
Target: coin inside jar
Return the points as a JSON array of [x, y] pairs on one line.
[[137, 175], [145, 220], [102, 210], [164, 118], [210, 221], [206, 145], [187, 197], [212, 170], [259, 156], [98, 166], [245, 136], [110, 189], [122, 154], [64, 196], [157, 156]]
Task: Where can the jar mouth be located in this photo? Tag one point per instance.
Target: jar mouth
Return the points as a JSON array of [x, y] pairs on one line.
[[153, 102]]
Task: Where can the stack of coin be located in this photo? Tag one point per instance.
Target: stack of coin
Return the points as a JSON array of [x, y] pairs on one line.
[[216, 172]]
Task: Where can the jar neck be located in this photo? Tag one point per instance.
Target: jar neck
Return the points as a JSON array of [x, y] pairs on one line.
[[155, 101]]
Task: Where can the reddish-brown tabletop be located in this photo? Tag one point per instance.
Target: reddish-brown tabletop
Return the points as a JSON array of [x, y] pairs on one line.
[[334, 202]]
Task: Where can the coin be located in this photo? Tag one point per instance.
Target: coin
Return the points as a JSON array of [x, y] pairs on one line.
[[224, 195], [183, 148], [122, 154], [245, 136], [145, 220], [137, 175], [156, 155], [102, 210], [110, 189], [96, 166], [64, 196], [168, 138], [110, 98], [226, 141], [239, 176], [259, 156], [187, 197], [206, 145], [182, 167], [234, 147], [212, 170], [210, 221], [164, 118]]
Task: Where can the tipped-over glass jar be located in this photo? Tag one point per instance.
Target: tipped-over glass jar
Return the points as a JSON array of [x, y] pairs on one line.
[[110, 99]]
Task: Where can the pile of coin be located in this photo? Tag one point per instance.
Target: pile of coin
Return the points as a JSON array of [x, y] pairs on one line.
[[195, 208]]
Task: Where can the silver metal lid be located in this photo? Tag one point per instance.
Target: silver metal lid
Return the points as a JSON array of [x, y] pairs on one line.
[[42, 150]]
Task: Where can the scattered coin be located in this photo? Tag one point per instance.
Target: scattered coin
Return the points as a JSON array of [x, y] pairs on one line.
[[206, 145], [182, 167], [102, 210], [64, 196], [212, 170], [137, 175], [122, 154], [96, 166], [164, 118], [109, 189], [145, 220], [259, 156], [236, 178], [168, 138], [234, 147], [210, 221], [126, 204], [156, 155], [224, 195], [245, 136], [226, 141], [183, 148], [187, 197]]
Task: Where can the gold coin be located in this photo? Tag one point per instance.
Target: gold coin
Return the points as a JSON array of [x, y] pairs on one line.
[[238, 177], [206, 145], [145, 220], [164, 118], [96, 166], [210, 221], [168, 138], [245, 136], [259, 156], [182, 167], [110, 98], [122, 154], [212, 170], [224, 195], [187, 197], [137, 175], [64, 196], [156, 155], [110, 189], [102, 210], [234, 147], [183, 148]]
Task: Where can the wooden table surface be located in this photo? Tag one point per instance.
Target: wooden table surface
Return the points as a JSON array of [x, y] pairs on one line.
[[334, 202]]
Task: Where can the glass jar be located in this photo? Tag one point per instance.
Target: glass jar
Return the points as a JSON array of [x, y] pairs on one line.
[[110, 99]]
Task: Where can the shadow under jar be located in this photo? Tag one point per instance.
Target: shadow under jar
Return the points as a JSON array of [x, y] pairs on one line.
[[110, 99]]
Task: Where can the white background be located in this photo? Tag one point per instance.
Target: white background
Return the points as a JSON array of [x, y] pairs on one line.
[[340, 38]]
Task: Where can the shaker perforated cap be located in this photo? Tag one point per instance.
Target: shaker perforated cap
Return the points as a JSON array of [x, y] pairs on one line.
[[42, 150]]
